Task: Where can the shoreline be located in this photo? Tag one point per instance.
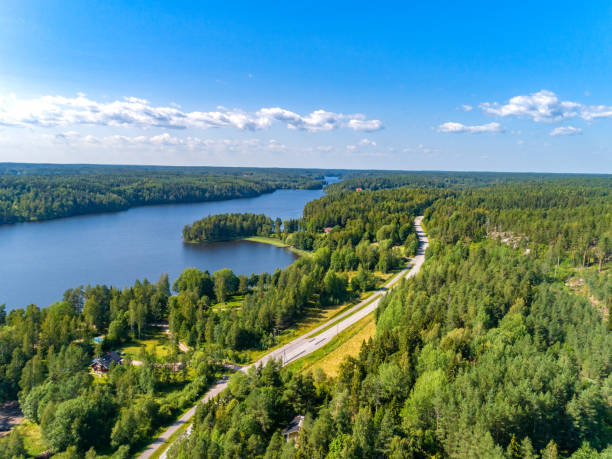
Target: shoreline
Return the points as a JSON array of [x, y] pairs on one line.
[[277, 243], [148, 204], [257, 239]]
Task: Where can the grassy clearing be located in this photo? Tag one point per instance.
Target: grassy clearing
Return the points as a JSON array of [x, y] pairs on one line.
[[235, 302], [278, 243], [266, 240], [32, 437], [346, 343], [155, 341]]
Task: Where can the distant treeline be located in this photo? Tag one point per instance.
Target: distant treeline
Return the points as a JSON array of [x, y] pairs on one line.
[[224, 227], [376, 180], [44, 192]]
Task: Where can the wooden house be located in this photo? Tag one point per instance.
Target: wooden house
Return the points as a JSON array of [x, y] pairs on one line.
[[292, 431], [102, 364]]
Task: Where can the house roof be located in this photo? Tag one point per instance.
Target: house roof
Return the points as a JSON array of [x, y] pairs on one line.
[[107, 359], [294, 426]]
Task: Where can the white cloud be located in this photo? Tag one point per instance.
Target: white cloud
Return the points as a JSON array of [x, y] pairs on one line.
[[324, 148], [422, 150], [458, 128], [367, 143], [565, 130], [50, 111], [545, 106], [166, 140], [467, 108], [359, 123]]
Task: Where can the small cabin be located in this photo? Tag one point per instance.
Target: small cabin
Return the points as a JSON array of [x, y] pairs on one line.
[[292, 431], [327, 229], [358, 189], [102, 364]]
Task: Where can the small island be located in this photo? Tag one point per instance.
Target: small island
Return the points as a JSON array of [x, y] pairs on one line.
[[225, 227]]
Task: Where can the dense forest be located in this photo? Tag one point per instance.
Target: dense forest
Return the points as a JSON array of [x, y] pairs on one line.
[[500, 347], [486, 353], [44, 362], [225, 227], [43, 192], [376, 180], [35, 342], [370, 234]]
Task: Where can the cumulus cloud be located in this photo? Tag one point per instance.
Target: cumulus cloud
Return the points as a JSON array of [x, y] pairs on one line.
[[458, 128], [367, 143], [467, 108], [565, 130], [48, 111], [421, 149], [546, 106]]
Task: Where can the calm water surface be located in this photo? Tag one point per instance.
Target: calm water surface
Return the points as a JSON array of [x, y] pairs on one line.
[[39, 261]]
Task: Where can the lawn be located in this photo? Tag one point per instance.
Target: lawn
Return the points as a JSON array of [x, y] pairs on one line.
[[346, 343], [154, 340]]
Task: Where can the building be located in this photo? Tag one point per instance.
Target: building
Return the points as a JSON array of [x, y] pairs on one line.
[[102, 364], [292, 431], [327, 229]]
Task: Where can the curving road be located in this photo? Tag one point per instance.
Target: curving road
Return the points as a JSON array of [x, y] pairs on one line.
[[308, 343]]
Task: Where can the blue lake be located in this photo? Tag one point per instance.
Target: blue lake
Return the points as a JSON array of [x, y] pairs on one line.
[[39, 261]]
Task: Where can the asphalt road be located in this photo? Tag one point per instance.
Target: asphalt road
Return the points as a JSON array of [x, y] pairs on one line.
[[308, 343]]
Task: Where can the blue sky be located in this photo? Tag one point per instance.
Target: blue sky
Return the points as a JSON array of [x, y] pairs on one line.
[[508, 86]]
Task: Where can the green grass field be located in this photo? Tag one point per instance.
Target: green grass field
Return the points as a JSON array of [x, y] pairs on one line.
[[155, 341], [277, 243], [235, 302], [32, 437], [330, 356]]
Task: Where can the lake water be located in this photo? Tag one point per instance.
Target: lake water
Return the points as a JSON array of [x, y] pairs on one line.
[[39, 261]]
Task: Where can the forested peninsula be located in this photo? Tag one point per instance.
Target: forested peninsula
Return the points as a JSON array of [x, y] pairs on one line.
[[501, 346], [44, 192], [225, 227]]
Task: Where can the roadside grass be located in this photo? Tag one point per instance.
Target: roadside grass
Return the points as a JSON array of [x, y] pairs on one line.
[[333, 324], [171, 439], [314, 318], [329, 357], [161, 429]]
